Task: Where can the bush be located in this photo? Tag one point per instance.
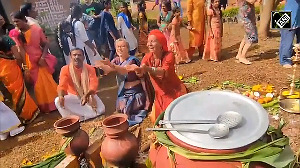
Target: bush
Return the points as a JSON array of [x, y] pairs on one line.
[[115, 6], [280, 7], [232, 12]]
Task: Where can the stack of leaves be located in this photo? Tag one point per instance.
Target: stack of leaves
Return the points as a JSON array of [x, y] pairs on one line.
[[191, 80], [229, 84]]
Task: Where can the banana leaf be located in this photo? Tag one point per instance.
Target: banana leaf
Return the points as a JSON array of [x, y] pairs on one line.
[[54, 160], [276, 153]]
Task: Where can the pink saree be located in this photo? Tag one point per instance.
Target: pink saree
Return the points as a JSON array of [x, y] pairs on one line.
[[41, 76]]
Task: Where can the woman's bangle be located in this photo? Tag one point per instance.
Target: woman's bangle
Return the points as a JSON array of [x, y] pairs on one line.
[[153, 69], [24, 66]]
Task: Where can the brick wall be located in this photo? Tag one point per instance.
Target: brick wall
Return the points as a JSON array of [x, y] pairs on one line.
[[51, 12]]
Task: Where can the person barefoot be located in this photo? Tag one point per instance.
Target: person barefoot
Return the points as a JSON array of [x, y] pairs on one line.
[[244, 60], [247, 13], [287, 66]]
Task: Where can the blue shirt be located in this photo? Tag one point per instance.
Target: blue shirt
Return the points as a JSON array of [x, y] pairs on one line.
[[107, 25], [294, 6]]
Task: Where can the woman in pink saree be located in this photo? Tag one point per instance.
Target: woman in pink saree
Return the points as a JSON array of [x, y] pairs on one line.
[[37, 62]]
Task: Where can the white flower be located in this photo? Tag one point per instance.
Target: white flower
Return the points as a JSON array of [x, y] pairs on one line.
[[269, 95]]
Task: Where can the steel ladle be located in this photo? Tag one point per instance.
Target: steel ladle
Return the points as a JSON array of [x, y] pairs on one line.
[[216, 131], [229, 118]]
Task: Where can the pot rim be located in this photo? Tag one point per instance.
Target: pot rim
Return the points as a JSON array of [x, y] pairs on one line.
[[115, 116], [65, 118]]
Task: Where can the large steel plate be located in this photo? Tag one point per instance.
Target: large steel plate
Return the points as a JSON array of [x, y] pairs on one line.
[[209, 105]]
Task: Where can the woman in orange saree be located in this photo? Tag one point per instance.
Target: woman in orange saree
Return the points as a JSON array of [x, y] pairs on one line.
[[39, 64], [12, 83]]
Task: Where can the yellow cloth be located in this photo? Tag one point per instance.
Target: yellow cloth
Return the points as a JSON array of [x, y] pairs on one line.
[[196, 16], [45, 90], [1, 97]]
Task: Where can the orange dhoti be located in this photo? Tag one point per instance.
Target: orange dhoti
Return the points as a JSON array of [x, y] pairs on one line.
[[196, 17]]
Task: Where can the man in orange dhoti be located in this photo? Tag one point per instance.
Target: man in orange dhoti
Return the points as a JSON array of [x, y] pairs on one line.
[[77, 89], [196, 25]]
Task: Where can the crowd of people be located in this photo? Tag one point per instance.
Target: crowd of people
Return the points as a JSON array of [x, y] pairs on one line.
[[93, 44]]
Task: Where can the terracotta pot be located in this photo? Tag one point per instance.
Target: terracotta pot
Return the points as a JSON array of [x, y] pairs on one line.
[[67, 126], [120, 147], [78, 144]]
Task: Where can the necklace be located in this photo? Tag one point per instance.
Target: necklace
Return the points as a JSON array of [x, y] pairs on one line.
[[155, 62]]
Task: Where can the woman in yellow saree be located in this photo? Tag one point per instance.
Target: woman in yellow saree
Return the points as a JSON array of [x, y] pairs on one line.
[[39, 64], [12, 83]]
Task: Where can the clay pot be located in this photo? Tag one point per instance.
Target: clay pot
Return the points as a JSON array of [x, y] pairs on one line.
[[67, 126], [78, 144], [120, 147]]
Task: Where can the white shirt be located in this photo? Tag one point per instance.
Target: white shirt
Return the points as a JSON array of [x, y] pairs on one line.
[[67, 56], [80, 34], [127, 33]]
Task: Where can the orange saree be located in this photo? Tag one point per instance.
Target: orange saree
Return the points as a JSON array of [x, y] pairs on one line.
[[12, 78], [167, 88]]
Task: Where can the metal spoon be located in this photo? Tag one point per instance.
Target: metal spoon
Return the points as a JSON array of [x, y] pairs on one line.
[[216, 131], [229, 118]]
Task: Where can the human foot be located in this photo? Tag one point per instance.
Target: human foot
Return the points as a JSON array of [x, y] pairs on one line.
[[237, 56], [4, 136], [17, 131], [188, 61], [287, 66], [244, 61]]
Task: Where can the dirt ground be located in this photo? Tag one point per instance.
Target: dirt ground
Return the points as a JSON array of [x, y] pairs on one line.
[[39, 138]]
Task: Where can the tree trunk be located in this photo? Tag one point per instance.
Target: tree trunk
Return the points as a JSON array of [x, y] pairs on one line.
[[133, 7], [265, 17]]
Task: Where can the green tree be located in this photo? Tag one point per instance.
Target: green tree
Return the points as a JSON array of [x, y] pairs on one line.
[[115, 6]]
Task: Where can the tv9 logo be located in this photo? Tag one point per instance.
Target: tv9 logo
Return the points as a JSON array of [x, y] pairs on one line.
[[281, 20]]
